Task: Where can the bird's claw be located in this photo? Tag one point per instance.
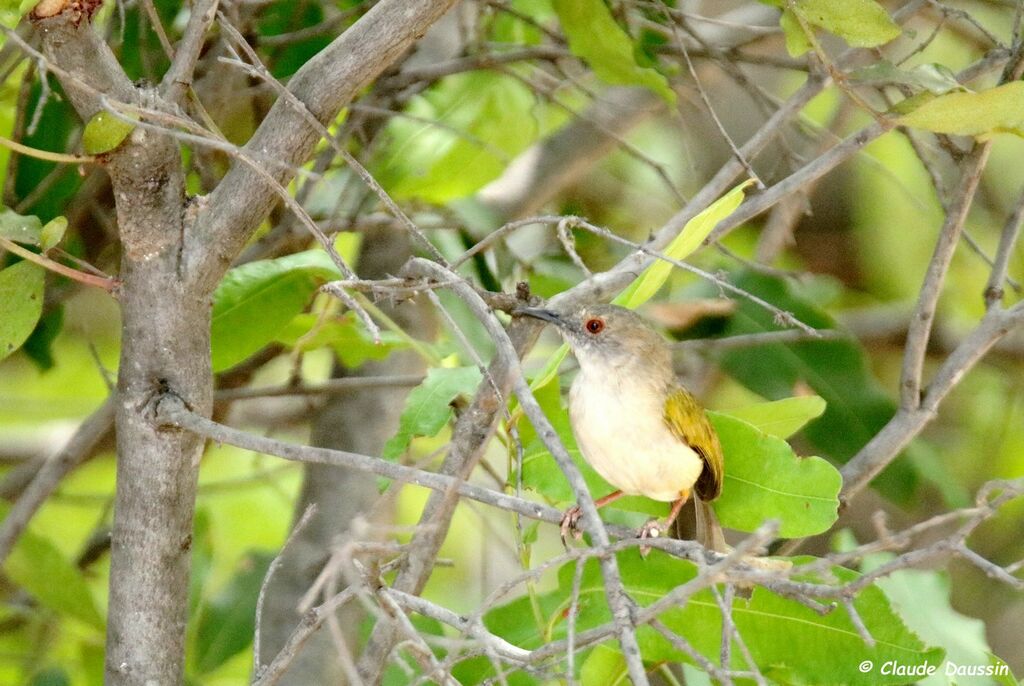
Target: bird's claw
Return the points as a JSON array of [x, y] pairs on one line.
[[569, 521], [651, 529]]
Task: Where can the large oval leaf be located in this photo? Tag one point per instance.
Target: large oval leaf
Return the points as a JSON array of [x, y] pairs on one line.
[[764, 479], [255, 301], [21, 295], [996, 110]]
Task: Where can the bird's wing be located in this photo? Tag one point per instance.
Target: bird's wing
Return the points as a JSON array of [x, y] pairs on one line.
[[687, 420]]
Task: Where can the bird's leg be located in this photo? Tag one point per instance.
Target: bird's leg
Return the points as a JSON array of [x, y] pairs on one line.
[[653, 529], [572, 516]]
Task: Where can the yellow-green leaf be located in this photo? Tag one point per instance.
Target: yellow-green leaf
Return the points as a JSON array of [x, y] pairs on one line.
[[861, 23], [996, 110], [797, 42], [52, 233], [104, 132], [687, 242], [781, 418]]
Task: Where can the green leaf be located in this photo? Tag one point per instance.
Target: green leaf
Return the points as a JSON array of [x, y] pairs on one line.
[[350, 341], [922, 597], [256, 301], [790, 643], [934, 78], [487, 119], [227, 621], [605, 666], [550, 369], [681, 247], [780, 632], [797, 42], [861, 23], [428, 406], [18, 228], [837, 370], [52, 233], [21, 304], [781, 418], [104, 132], [1001, 671], [53, 676], [598, 40], [764, 479], [996, 110], [38, 566]]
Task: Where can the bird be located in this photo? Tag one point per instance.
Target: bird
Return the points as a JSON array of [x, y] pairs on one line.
[[634, 423]]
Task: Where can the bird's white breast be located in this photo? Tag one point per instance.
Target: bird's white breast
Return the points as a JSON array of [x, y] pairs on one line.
[[620, 428]]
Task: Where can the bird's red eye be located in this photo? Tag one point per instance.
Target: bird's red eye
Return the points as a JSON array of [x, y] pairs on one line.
[[595, 325]]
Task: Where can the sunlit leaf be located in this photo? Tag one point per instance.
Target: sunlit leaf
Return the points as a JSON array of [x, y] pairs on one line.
[[781, 418], [861, 23], [605, 666], [52, 233], [797, 41], [21, 304], [345, 336], [681, 247], [428, 406], [596, 38], [996, 110], [486, 120], [765, 480]]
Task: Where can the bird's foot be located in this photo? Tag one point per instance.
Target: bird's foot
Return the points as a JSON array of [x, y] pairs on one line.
[[570, 520], [652, 529]]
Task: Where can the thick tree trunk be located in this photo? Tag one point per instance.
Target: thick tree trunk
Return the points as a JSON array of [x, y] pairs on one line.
[[165, 344]]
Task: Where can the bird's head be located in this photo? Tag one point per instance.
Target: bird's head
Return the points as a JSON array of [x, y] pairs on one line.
[[609, 337]]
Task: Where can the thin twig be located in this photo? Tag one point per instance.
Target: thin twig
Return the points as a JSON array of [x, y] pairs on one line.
[[307, 515]]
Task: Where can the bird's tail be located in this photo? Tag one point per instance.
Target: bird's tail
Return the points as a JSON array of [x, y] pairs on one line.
[[709, 531]]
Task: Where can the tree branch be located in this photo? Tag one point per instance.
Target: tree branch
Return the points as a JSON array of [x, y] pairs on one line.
[[924, 314], [325, 84], [89, 433], [178, 78]]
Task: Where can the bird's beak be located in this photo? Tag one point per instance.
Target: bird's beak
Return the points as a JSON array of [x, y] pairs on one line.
[[546, 315]]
